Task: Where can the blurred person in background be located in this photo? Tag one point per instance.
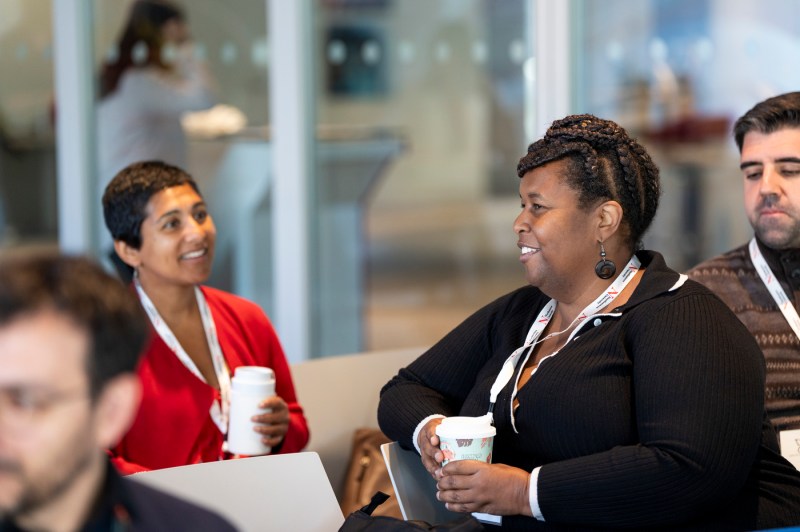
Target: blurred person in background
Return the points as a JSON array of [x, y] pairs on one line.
[[70, 339], [150, 80]]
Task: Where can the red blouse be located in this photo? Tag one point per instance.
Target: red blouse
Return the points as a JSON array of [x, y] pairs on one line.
[[173, 426]]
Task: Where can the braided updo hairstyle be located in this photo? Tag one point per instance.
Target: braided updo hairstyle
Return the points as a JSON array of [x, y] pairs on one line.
[[603, 163]]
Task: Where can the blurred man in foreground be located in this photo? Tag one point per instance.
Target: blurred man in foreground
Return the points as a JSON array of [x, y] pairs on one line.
[[70, 338]]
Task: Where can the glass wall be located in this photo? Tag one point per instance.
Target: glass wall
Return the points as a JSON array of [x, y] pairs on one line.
[[28, 206], [420, 111], [419, 125], [678, 73]]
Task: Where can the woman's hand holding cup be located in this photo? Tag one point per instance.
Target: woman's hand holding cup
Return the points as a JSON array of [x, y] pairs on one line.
[[274, 424], [428, 443]]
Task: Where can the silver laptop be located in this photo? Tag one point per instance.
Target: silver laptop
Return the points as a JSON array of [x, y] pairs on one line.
[[262, 493]]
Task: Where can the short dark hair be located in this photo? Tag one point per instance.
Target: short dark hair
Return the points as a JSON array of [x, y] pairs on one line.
[[603, 163], [126, 196], [769, 116], [78, 288]]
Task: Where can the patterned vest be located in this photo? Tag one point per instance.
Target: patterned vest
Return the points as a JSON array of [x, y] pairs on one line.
[[734, 279]]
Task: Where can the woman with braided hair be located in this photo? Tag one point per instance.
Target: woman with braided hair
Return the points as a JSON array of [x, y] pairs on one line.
[[623, 394]]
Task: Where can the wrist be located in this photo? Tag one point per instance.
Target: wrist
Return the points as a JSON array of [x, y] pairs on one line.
[[419, 427], [524, 496]]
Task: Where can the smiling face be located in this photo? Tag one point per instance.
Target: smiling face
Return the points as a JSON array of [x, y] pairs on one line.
[[178, 237], [557, 239], [770, 163]]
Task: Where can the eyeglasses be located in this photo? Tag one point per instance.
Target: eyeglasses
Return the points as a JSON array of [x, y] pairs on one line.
[[21, 408]]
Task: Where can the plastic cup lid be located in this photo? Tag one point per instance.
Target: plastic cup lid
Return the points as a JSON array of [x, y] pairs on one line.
[[466, 427], [253, 373]]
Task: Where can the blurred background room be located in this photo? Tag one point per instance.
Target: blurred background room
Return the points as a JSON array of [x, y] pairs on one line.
[[359, 156]]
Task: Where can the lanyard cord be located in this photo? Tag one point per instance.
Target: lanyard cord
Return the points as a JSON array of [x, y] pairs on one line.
[[774, 286], [541, 321], [219, 410]]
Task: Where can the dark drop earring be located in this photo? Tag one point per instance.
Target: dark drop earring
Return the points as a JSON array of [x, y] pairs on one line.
[[605, 268]]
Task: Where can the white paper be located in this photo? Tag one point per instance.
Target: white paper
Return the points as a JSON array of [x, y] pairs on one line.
[[790, 446]]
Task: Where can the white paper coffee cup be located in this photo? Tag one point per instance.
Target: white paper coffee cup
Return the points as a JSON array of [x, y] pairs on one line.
[[466, 438], [249, 386]]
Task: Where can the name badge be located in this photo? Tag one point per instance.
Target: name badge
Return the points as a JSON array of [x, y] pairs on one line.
[[790, 446]]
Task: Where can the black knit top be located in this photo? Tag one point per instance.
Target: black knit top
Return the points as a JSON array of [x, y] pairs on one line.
[[651, 416]]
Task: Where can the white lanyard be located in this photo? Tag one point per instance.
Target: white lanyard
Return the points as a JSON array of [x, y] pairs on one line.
[[219, 411], [774, 287], [541, 321]]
